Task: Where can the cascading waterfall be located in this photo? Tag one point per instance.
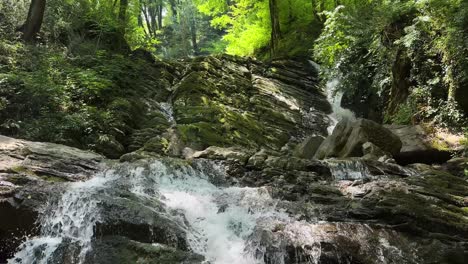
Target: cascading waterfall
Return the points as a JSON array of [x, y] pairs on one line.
[[334, 97], [348, 169], [219, 221], [168, 112], [69, 220], [225, 225]]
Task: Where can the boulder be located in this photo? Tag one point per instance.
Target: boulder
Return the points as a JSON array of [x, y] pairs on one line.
[[348, 138], [117, 249], [457, 166], [31, 173], [308, 147], [219, 153], [416, 146], [47, 160]]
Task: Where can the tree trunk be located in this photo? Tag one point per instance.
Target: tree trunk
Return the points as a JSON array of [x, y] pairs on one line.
[[153, 17], [174, 9], [123, 14], [275, 26], [123, 23], [193, 33], [34, 21], [160, 16]]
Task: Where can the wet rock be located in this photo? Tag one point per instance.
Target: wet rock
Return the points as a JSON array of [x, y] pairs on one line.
[[301, 242], [115, 249], [20, 211], [31, 174], [372, 152], [225, 101], [46, 160], [308, 147], [457, 166], [241, 155], [146, 221], [349, 136], [416, 146]]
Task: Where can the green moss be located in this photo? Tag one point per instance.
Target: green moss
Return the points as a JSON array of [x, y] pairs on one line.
[[23, 170], [18, 179], [440, 145], [156, 144]]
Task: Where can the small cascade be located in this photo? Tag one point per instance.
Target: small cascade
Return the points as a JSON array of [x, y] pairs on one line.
[[70, 220], [167, 111], [225, 225], [334, 97], [348, 169], [219, 221]]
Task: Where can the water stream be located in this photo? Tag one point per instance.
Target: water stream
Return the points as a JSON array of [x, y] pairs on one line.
[[219, 221], [70, 220], [335, 97], [224, 224]]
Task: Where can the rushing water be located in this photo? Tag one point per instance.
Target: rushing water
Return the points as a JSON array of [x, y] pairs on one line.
[[219, 220], [167, 111], [226, 225], [335, 97], [69, 220]]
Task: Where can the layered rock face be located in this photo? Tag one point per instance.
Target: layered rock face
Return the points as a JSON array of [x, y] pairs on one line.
[[227, 101]]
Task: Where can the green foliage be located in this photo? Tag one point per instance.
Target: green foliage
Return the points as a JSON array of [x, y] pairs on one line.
[[82, 100], [248, 27], [365, 42], [404, 115]]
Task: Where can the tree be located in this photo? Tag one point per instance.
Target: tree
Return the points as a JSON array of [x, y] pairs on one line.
[[34, 20], [275, 26], [123, 14]]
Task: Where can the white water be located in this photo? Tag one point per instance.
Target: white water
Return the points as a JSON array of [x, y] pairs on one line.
[[226, 225], [219, 221], [348, 169], [71, 219], [334, 97], [167, 111]]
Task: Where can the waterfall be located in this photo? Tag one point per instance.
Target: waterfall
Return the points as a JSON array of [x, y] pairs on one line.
[[219, 221], [348, 169], [167, 111], [70, 220], [334, 97], [224, 224]]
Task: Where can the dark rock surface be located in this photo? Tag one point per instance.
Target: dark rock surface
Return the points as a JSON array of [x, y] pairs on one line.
[[349, 136], [417, 147], [115, 249], [349, 210], [228, 101]]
